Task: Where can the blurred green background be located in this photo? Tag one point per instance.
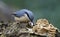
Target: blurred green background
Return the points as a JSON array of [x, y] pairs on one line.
[[49, 9]]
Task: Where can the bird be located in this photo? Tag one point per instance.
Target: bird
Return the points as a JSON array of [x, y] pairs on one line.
[[24, 15]]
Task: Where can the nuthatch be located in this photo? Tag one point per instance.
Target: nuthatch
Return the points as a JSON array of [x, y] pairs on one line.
[[24, 15]]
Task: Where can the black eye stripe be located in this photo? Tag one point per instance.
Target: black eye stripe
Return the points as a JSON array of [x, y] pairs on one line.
[[27, 14]]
